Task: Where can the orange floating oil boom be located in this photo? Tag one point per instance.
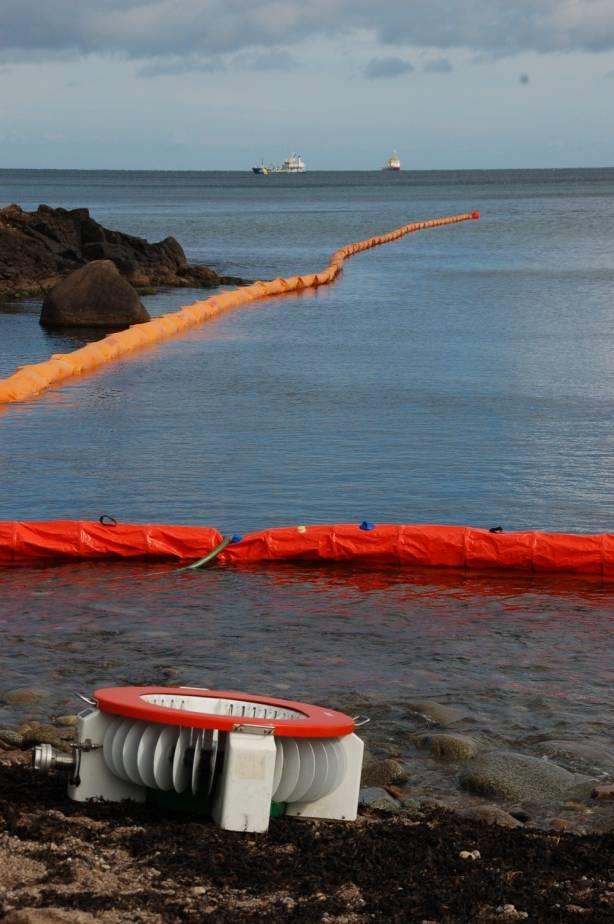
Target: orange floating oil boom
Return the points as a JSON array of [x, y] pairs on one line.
[[32, 379], [405, 545]]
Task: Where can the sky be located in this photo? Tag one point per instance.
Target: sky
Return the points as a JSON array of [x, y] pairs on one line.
[[225, 84]]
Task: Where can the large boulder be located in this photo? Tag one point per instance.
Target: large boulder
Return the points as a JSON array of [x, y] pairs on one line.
[[38, 249], [94, 296], [519, 777]]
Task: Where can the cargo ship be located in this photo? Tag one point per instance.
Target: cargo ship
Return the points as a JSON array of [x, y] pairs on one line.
[[293, 164], [393, 162]]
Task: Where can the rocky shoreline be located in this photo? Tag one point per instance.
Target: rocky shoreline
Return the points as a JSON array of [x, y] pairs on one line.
[[528, 839], [85, 863], [430, 757], [39, 249]]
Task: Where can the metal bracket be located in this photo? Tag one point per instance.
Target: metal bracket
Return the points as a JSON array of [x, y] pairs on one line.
[[255, 729], [87, 745], [86, 699]]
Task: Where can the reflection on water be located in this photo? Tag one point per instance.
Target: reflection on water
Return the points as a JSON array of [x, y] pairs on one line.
[[462, 375], [526, 657]]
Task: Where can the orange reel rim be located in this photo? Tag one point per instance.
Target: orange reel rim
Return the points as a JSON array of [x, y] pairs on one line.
[[315, 721]]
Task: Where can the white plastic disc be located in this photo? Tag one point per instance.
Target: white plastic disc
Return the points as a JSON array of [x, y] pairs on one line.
[[336, 761], [131, 750], [107, 743], [198, 746], [279, 766], [117, 749], [307, 770], [145, 754], [213, 758], [181, 772], [341, 761], [163, 757], [318, 788], [291, 771], [332, 770]]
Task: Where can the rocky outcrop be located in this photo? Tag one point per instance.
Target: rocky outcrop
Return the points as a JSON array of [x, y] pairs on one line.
[[94, 296], [38, 249]]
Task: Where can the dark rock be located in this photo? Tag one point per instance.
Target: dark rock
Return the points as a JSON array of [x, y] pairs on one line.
[[38, 249], [95, 295], [376, 797]]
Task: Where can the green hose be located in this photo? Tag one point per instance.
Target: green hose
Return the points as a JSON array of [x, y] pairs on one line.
[[213, 554]]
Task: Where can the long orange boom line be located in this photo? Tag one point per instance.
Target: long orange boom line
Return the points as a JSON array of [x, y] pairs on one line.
[[31, 380]]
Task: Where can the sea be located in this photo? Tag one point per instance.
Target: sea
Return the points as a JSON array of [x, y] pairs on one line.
[[463, 374]]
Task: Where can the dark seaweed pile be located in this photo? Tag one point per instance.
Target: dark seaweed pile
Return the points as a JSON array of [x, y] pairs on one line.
[[145, 865]]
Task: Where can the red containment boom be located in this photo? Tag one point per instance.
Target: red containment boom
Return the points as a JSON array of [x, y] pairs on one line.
[[412, 545], [80, 540]]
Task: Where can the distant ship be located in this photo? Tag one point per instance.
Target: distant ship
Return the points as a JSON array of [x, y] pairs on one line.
[[393, 162], [293, 164]]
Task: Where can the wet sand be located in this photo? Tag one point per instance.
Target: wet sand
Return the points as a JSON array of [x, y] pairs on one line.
[[62, 861]]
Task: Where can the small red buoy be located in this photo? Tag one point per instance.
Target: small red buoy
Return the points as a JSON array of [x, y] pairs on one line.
[[475, 214]]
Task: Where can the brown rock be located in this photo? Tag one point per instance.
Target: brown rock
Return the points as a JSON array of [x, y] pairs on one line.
[[10, 739], [603, 791], [45, 734], [94, 296], [23, 696], [561, 824], [48, 916], [383, 772], [438, 713], [492, 815], [448, 746]]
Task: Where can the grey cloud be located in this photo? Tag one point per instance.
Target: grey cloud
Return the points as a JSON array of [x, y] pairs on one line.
[[156, 28], [524, 78], [387, 67], [271, 61], [609, 74], [437, 66], [172, 65]]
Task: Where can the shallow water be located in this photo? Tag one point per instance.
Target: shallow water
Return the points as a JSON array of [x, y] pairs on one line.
[[461, 375], [526, 659]]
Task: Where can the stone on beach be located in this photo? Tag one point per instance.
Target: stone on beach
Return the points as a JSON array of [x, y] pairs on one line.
[[23, 696], [376, 797], [94, 296], [437, 713], [447, 746], [519, 777], [589, 755], [383, 772], [491, 815]]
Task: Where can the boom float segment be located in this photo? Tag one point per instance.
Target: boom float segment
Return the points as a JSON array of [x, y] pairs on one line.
[[80, 540], [29, 381], [408, 545]]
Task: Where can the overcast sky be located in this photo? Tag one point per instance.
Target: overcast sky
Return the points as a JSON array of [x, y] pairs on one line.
[[222, 84]]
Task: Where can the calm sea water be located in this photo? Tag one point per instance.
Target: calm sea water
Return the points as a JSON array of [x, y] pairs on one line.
[[461, 375]]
